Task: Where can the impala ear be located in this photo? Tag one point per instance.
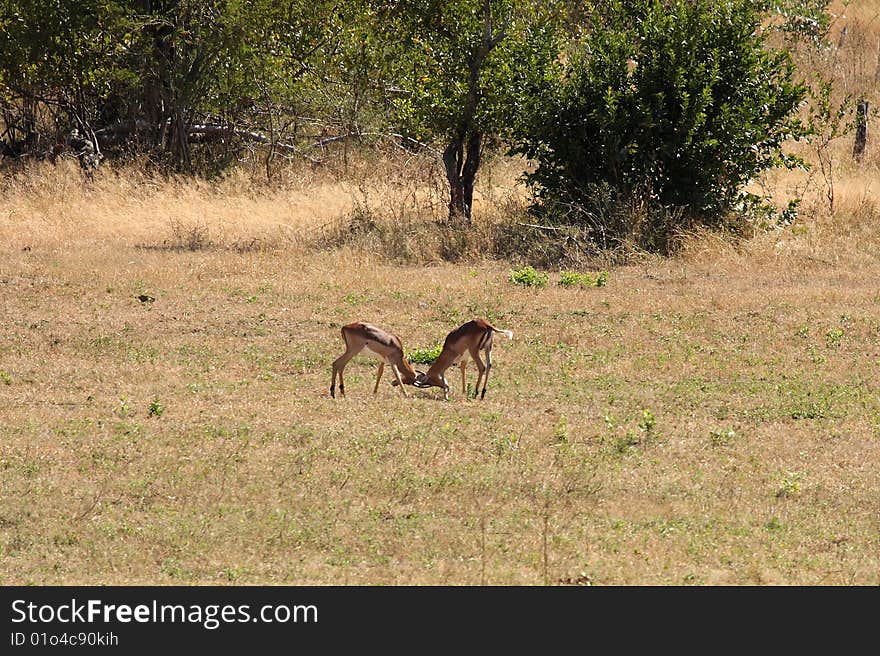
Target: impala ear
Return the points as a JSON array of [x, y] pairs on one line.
[[420, 380]]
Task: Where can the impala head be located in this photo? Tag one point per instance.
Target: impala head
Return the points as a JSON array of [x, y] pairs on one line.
[[423, 381], [409, 381]]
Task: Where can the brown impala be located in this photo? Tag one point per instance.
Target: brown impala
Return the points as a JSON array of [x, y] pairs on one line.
[[466, 340], [360, 336]]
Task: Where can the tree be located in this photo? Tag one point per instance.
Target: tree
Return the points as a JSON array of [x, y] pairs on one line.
[[63, 56], [156, 74], [675, 103], [464, 67]]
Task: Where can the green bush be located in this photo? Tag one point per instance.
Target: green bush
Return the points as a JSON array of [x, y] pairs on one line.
[[425, 356], [666, 112], [576, 279], [529, 277]]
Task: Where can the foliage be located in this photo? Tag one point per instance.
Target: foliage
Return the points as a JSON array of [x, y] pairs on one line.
[[444, 38], [828, 120], [674, 104], [577, 279], [156, 408], [528, 277], [160, 76], [805, 20], [462, 74], [425, 355]]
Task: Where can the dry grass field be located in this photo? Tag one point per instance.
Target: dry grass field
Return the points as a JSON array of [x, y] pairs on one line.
[[165, 348]]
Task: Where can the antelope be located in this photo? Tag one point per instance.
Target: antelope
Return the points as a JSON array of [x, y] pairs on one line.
[[360, 336], [466, 340]]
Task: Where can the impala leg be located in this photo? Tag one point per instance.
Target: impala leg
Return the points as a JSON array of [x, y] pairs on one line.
[[337, 371], [488, 369], [338, 366], [399, 382], [463, 385], [480, 369], [379, 376]]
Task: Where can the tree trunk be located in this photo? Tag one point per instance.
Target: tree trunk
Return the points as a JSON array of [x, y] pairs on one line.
[[180, 141], [463, 154], [452, 160], [462, 161], [155, 78], [861, 130], [469, 172]]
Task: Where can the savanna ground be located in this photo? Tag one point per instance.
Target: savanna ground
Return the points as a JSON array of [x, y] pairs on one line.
[[165, 350]]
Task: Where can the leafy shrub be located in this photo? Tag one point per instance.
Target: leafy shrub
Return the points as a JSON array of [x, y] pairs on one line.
[[667, 111], [426, 355], [528, 277], [576, 279]]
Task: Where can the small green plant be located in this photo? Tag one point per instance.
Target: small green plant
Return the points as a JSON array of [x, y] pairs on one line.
[[629, 439], [560, 431], [529, 277], [815, 356], [5, 378], [648, 423], [356, 298], [643, 434], [773, 524], [172, 568], [810, 409], [425, 355], [789, 486], [611, 424], [833, 337], [156, 408], [576, 279], [505, 443], [721, 437]]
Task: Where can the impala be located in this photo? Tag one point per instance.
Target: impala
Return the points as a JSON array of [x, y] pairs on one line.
[[360, 336], [466, 340]]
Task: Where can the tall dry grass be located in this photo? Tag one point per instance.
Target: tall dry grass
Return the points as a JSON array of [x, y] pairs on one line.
[[52, 206]]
